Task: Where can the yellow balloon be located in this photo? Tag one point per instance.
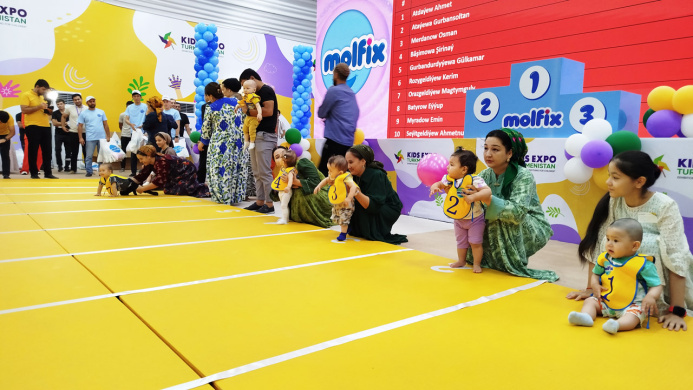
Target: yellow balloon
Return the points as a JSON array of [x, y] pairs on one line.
[[661, 98], [285, 144], [683, 100], [599, 176], [359, 137]]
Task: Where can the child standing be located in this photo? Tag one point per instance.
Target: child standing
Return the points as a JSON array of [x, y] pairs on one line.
[[341, 193], [113, 183], [286, 161], [250, 99], [627, 283], [464, 205]]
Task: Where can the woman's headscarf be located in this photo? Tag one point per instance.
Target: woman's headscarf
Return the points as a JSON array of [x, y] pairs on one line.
[[165, 136], [519, 149], [367, 153], [156, 105]]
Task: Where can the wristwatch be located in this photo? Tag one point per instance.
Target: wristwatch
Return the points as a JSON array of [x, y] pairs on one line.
[[677, 311]]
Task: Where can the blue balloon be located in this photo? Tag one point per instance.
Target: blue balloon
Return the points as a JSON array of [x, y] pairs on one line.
[[198, 126], [212, 28], [214, 60], [297, 56], [305, 83], [208, 53], [198, 36], [207, 81], [198, 112], [199, 97], [306, 70], [199, 104], [309, 76], [202, 75], [208, 36], [198, 67], [305, 96], [201, 27], [294, 120], [214, 75], [209, 68], [212, 45], [197, 82], [201, 59], [301, 63], [197, 51], [299, 114], [300, 89], [306, 56], [202, 44], [216, 69], [296, 84], [200, 90], [305, 133], [309, 90], [310, 49], [296, 95], [299, 102], [297, 70]]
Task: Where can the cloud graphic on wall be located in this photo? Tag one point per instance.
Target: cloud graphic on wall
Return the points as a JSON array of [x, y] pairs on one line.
[[73, 80]]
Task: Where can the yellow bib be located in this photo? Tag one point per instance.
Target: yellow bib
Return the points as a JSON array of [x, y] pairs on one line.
[[279, 184], [338, 191], [454, 206], [621, 282]]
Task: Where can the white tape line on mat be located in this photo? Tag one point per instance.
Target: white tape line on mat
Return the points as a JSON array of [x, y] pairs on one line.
[[100, 210], [345, 339]]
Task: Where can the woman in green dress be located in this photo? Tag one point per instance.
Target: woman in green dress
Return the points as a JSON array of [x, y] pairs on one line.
[[304, 206], [516, 227], [377, 204]]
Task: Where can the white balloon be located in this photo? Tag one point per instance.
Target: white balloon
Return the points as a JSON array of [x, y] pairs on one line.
[[306, 154], [305, 144], [597, 128], [576, 171], [687, 125], [574, 144]]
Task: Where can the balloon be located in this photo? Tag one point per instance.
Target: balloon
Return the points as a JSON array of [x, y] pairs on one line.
[[208, 52], [300, 89], [306, 56], [597, 128], [213, 45], [293, 136], [687, 125], [683, 100], [646, 116], [304, 95], [310, 49], [201, 28], [201, 44], [208, 36], [299, 114], [197, 51], [209, 68], [306, 154], [574, 144], [196, 150], [305, 133], [596, 153], [300, 63], [297, 70], [567, 156], [299, 102], [359, 136], [305, 83], [664, 123], [600, 175], [297, 55], [199, 103], [297, 149], [305, 108], [214, 60], [207, 81], [195, 136], [200, 90], [198, 36], [299, 48], [661, 98], [305, 144], [202, 74], [431, 168], [309, 76], [197, 82], [213, 75], [576, 171], [198, 67], [365, 142], [623, 140], [212, 28], [198, 113], [285, 144]]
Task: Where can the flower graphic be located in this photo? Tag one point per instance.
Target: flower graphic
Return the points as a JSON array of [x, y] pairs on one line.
[[399, 156], [661, 164], [9, 90]]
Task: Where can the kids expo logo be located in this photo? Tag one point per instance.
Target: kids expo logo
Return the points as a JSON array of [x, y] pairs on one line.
[[167, 40], [350, 40]]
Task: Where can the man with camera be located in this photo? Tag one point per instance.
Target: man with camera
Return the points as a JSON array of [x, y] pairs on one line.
[[37, 116]]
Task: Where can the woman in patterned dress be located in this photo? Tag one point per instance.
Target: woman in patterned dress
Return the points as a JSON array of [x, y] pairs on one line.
[[175, 175], [631, 174], [516, 227], [223, 136], [230, 88]]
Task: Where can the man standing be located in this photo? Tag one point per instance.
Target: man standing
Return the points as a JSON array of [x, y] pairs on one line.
[[69, 122], [340, 112], [168, 109], [134, 117], [184, 121], [265, 142], [60, 137], [18, 119], [94, 122], [38, 127]]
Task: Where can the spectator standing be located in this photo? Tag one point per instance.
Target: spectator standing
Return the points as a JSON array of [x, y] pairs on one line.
[[60, 136], [6, 134], [169, 110], [93, 123], [69, 122], [38, 127]]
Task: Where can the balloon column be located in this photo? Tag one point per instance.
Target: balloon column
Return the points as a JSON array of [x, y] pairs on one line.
[[206, 64], [670, 113], [302, 88], [589, 153]]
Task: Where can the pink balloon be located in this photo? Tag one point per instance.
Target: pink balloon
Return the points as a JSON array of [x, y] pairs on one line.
[[196, 150], [431, 168]]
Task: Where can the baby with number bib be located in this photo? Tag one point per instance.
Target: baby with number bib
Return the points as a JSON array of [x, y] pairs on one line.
[[341, 193], [465, 207], [285, 159]]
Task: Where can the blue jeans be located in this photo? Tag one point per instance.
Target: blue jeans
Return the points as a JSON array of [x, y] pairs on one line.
[[89, 153]]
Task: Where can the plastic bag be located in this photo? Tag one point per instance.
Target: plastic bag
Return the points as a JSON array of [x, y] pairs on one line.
[[109, 152], [136, 141], [181, 148]]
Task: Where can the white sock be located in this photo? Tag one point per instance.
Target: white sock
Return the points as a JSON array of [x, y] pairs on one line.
[[581, 319], [611, 326], [251, 146], [282, 222]]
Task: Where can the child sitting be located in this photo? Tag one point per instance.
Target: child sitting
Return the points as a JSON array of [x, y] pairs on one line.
[[626, 284], [460, 184], [113, 183], [250, 124], [285, 159], [341, 193]]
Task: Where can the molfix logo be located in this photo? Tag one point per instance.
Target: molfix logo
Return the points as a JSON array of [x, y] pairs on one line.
[[399, 157], [167, 40], [350, 40], [534, 119]]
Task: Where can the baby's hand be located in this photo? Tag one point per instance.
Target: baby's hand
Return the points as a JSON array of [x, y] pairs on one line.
[[259, 115], [435, 188], [316, 190], [287, 190], [649, 306], [597, 291], [469, 199], [97, 194]]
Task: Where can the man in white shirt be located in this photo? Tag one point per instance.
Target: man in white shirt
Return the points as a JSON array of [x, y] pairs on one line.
[[69, 119], [168, 109]]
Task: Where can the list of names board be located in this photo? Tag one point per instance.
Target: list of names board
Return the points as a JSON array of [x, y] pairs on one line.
[[428, 85]]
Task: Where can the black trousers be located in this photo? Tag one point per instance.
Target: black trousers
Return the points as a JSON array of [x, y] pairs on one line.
[[330, 149], [60, 140], [202, 168], [22, 133], [71, 150], [124, 141], [5, 156], [40, 136]]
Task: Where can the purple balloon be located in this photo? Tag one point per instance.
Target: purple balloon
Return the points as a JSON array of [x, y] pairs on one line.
[[567, 155], [596, 153], [664, 123], [365, 143], [196, 150], [680, 134], [431, 168], [298, 149]]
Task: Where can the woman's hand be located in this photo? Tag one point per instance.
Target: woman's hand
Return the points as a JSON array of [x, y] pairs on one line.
[[672, 322], [580, 295], [296, 183], [140, 189], [200, 146]]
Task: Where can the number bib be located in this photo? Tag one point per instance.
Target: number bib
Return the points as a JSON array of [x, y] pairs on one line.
[[621, 282], [279, 184], [454, 206], [338, 191]]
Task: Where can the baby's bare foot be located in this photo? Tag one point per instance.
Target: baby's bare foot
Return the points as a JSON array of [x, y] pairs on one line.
[[476, 269], [457, 264]]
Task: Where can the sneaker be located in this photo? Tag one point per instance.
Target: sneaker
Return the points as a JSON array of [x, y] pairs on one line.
[[73, 173], [23, 173], [51, 177], [132, 175], [35, 177], [254, 207], [265, 210], [88, 175], [122, 169], [60, 169], [6, 177]]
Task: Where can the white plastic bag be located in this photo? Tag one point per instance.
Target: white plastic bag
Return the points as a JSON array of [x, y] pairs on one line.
[[109, 152], [114, 145], [136, 141], [181, 148]]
